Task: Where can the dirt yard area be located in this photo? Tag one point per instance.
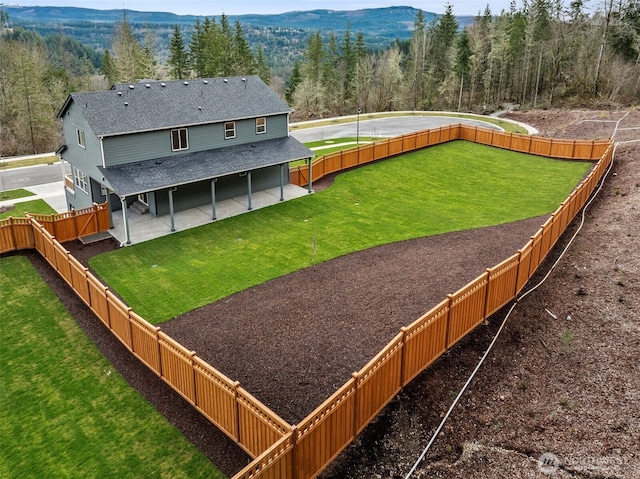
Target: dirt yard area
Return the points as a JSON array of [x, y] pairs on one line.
[[563, 381], [563, 378]]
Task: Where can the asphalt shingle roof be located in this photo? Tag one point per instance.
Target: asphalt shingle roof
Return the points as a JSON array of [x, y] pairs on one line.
[[154, 105], [144, 176]]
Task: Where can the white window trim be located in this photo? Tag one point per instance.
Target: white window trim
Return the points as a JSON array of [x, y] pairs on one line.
[[264, 125], [226, 131], [81, 138], [181, 146], [81, 180]]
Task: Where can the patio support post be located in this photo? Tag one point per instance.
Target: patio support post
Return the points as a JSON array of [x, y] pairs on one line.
[[173, 226], [282, 181], [310, 169], [125, 218], [213, 198], [110, 209], [249, 189]]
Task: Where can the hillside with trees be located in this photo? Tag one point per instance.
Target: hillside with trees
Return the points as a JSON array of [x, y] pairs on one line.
[[543, 54]]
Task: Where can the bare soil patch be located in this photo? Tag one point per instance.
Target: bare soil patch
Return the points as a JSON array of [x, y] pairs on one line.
[[569, 385]]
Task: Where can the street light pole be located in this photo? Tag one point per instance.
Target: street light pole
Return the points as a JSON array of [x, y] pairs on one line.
[[358, 111]]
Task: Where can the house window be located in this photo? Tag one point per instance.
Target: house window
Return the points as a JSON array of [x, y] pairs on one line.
[[80, 135], [261, 125], [179, 139], [81, 180], [229, 130]]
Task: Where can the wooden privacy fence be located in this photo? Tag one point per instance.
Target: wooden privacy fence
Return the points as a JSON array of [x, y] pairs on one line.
[[17, 233], [363, 154], [281, 450], [224, 402], [321, 436]]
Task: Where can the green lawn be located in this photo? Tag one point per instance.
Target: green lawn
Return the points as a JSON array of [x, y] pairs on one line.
[[454, 186], [325, 147], [13, 194], [64, 411], [35, 207]]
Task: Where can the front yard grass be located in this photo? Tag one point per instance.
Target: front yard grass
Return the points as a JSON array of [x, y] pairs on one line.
[[13, 194], [450, 187], [64, 410], [35, 207]]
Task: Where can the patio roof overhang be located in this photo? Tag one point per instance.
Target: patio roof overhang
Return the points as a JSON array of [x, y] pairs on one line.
[[172, 171]]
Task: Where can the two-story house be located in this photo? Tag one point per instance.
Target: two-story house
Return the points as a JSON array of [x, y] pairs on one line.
[[174, 145]]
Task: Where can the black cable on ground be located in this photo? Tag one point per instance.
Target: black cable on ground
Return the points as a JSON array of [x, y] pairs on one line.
[[513, 306]]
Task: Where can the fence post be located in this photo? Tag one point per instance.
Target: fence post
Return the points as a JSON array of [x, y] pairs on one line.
[[294, 451], [236, 385], [355, 404], [446, 337], [160, 368], [403, 330], [486, 293], [193, 376], [13, 234]]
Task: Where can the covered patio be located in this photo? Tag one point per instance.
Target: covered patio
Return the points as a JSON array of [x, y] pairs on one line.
[[255, 168], [145, 227]]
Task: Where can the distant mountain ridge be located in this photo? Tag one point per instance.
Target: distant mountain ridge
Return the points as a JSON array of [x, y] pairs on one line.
[[391, 22], [283, 37]]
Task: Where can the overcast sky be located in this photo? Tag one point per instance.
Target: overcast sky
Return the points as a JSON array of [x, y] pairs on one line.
[[203, 7]]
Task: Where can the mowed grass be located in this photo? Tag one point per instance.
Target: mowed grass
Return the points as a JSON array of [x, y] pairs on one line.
[[326, 147], [64, 411], [35, 207], [13, 194], [454, 186]]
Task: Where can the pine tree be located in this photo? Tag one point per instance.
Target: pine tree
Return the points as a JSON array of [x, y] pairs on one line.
[[462, 64], [178, 56], [444, 35], [418, 60], [224, 46], [314, 58], [243, 60], [108, 68], [197, 47], [261, 66], [348, 61], [292, 84]]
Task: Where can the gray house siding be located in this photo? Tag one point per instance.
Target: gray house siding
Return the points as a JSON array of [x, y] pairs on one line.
[[124, 149], [199, 194], [128, 142], [85, 159], [78, 199]]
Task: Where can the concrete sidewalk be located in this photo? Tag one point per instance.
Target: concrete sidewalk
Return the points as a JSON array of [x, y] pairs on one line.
[[51, 193]]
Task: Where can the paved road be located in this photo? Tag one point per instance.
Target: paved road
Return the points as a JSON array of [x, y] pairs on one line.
[[387, 127], [30, 176]]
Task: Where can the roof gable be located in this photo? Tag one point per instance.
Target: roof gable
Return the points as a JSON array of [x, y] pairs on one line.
[[154, 105]]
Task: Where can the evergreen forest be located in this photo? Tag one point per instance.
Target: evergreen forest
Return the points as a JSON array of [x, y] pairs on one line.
[[542, 54]]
